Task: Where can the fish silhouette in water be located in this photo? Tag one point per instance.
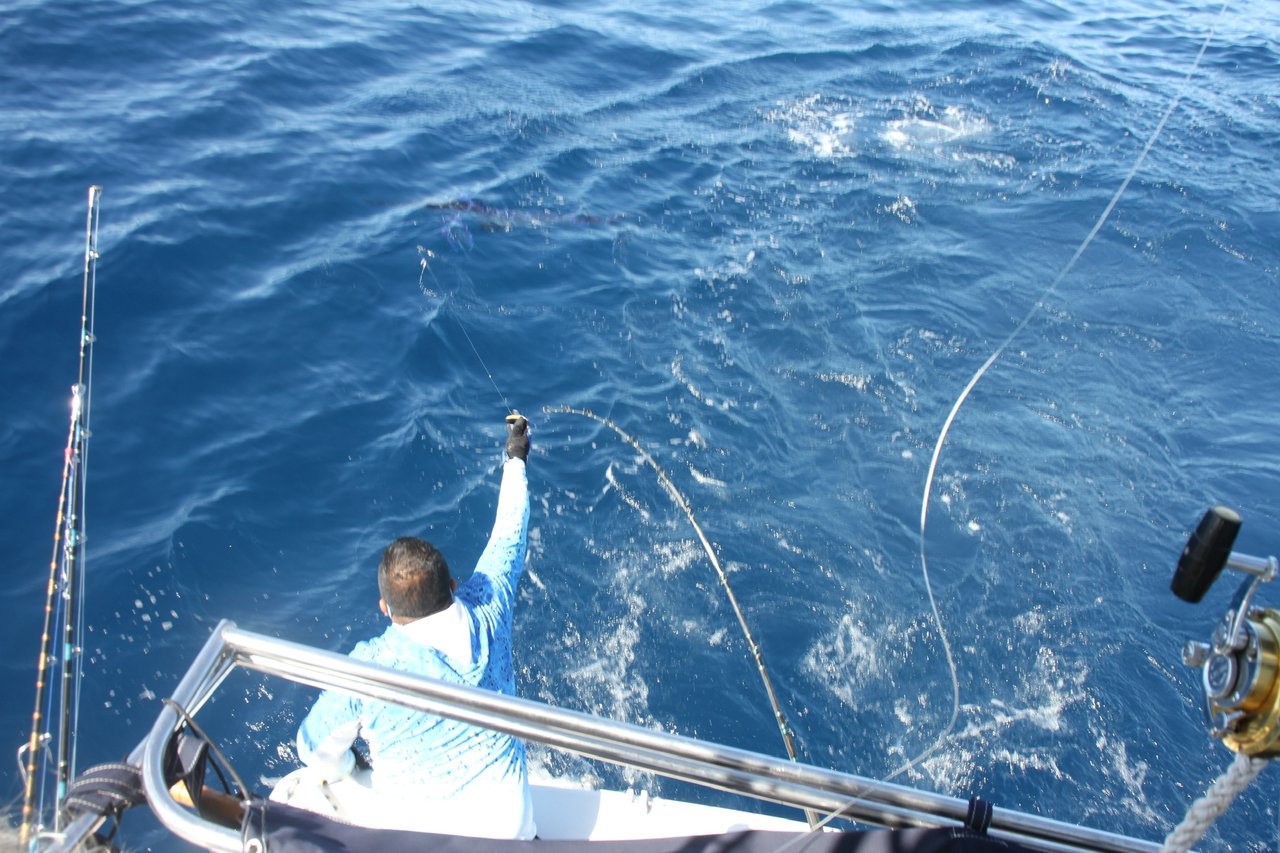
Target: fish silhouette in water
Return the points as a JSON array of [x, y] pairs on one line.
[[457, 213]]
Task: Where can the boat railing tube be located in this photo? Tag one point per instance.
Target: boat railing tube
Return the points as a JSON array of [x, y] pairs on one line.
[[726, 768], [210, 667]]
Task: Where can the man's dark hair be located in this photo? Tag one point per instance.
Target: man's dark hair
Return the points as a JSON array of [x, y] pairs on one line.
[[413, 578]]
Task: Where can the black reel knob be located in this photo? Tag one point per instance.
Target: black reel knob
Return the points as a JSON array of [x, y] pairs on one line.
[[1206, 553]]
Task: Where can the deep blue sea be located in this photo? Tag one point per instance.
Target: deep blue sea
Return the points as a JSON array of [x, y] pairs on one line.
[[770, 240]]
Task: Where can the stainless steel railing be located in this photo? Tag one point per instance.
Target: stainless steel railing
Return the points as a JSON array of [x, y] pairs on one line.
[[726, 768]]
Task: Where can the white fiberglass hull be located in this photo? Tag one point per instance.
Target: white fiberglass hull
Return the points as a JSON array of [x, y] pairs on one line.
[[561, 810]]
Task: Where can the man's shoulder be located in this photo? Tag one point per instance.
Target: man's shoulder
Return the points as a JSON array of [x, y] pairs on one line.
[[393, 648], [375, 649]]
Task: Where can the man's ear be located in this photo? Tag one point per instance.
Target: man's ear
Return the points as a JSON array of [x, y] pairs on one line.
[[382, 605], [453, 585]]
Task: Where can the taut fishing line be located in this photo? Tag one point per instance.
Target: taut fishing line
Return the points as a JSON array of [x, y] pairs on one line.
[[425, 267], [680, 501], [994, 357], [683, 503]]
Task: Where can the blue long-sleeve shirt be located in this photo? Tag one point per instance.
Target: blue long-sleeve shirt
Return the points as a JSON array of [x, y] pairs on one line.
[[446, 775]]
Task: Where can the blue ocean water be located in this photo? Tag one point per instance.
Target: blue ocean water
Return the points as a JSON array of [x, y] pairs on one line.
[[770, 240]]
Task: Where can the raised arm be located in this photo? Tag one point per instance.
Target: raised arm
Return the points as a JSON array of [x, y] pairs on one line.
[[508, 540]]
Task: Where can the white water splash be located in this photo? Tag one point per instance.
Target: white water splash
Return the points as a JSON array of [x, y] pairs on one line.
[[824, 126]]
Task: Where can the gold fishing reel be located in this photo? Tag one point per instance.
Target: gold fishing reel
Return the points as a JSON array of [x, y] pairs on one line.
[[1240, 665]]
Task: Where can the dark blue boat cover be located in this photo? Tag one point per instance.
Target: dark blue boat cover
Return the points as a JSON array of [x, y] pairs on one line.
[[283, 829]]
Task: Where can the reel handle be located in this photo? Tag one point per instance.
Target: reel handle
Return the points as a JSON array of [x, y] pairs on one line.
[[1206, 553]]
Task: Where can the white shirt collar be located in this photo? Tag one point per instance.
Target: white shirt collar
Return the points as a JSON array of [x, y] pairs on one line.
[[448, 632]]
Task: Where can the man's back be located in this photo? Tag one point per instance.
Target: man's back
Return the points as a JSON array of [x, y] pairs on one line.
[[449, 776]]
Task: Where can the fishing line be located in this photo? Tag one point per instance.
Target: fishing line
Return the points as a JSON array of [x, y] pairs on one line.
[[683, 503], [676, 495], [964, 395], [995, 356], [425, 268]]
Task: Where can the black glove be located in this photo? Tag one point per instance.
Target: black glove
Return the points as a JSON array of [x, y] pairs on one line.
[[517, 436]]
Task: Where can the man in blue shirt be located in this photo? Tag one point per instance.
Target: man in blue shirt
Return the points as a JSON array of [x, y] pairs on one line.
[[437, 774]]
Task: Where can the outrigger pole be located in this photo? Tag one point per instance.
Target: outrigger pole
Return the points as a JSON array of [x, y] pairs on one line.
[[64, 602]]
